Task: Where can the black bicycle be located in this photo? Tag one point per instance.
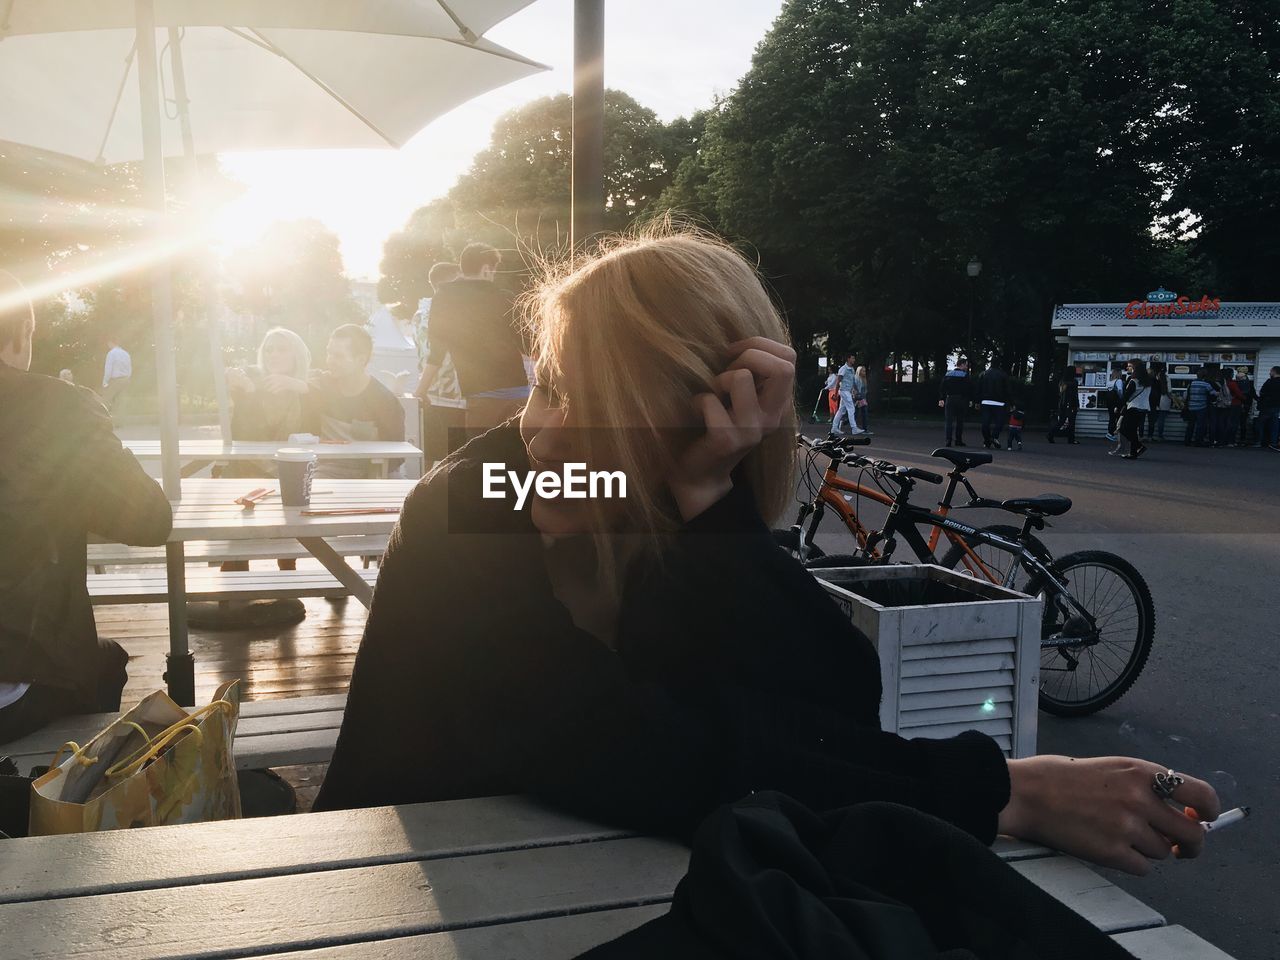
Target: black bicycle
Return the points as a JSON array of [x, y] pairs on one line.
[[1099, 618]]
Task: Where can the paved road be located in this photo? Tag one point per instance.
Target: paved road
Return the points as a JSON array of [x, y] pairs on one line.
[[1203, 526]]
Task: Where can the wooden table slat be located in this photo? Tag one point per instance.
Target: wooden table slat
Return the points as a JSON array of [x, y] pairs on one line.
[[555, 938], [1095, 898], [122, 860], [1169, 943], [271, 914]]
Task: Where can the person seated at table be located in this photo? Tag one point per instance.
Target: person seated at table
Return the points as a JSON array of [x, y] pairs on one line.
[[63, 475], [263, 407], [349, 404], [642, 660]]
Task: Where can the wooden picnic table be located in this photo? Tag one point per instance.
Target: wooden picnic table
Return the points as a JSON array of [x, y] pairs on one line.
[[195, 455], [484, 878], [207, 511]]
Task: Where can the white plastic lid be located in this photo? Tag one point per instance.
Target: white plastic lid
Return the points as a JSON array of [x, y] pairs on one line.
[[295, 455]]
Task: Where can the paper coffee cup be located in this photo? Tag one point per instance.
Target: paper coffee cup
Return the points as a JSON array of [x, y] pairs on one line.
[[295, 468]]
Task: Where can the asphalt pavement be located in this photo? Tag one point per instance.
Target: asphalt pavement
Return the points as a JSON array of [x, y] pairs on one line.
[[1203, 528]]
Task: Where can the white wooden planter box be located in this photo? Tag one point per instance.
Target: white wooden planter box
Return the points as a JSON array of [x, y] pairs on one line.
[[955, 653]]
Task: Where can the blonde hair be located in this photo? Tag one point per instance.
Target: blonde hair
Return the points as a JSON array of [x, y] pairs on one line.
[[297, 347], [860, 373], [628, 335], [17, 315]]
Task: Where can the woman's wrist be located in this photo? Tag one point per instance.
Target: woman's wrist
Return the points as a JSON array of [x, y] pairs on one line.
[[1017, 819]]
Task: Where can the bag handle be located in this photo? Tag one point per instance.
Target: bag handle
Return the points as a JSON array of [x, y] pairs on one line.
[[153, 748], [78, 753]]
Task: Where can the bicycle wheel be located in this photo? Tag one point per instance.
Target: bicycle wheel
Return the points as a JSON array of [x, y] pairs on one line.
[[789, 540], [1083, 678], [995, 563]]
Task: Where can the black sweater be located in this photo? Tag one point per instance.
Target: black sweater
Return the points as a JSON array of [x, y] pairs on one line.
[[733, 673]]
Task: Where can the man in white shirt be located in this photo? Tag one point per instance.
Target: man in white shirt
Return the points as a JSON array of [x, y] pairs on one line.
[[115, 373], [846, 376]]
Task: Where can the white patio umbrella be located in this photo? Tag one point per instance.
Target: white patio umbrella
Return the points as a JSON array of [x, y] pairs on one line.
[[82, 77]]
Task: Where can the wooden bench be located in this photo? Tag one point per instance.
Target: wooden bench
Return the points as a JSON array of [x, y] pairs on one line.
[[270, 733], [219, 551], [491, 877], [117, 588]]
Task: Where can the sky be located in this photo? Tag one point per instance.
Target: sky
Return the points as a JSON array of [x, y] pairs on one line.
[[673, 56]]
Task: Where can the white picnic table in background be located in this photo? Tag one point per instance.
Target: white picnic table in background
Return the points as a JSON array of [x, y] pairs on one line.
[[490, 877], [196, 454], [208, 511]]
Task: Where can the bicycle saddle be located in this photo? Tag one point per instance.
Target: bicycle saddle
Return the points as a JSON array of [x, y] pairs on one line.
[[965, 461], [1046, 505]]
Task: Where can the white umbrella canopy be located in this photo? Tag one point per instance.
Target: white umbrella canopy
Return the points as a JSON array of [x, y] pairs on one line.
[[260, 74]]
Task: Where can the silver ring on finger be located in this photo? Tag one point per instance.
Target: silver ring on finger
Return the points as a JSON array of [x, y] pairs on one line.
[[1165, 783]]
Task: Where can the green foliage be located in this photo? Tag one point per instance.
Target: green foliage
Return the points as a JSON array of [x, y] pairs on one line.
[[876, 145], [407, 256]]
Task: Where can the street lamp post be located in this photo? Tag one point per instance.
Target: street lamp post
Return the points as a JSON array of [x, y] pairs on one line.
[[973, 269]]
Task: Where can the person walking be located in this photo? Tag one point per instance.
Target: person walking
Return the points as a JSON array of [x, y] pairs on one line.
[[1115, 405], [833, 389], [117, 371], [1064, 421], [1016, 421], [955, 395], [63, 476], [1201, 393], [846, 413], [862, 399], [1137, 405], [1269, 411], [995, 396]]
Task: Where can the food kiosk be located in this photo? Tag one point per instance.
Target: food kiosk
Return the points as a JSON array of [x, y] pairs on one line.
[[1184, 332]]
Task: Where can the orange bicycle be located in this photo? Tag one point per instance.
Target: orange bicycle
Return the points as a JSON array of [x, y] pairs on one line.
[[1099, 619]]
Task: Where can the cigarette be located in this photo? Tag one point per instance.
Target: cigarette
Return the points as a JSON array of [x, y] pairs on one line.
[[1226, 820]]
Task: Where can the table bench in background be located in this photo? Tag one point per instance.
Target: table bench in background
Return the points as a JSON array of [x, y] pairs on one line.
[[119, 588], [492, 877], [219, 551], [271, 733]]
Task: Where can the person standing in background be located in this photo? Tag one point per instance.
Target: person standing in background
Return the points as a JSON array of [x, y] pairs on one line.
[[446, 379], [994, 392], [1200, 396], [1160, 402], [1269, 411], [954, 396], [116, 373], [1064, 421], [471, 320], [1248, 398], [832, 387]]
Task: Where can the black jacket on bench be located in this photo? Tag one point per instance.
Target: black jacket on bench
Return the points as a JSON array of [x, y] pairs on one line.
[[733, 673], [63, 475]]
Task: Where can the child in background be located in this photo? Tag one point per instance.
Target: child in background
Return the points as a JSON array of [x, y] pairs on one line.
[[1016, 420]]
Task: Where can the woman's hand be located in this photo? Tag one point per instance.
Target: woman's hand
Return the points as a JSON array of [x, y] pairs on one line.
[[238, 380], [279, 383], [1103, 809], [759, 383]]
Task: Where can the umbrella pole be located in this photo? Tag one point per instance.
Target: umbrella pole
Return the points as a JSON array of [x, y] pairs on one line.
[[181, 665], [587, 210]]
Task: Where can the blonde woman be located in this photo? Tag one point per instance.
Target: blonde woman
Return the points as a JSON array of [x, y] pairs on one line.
[[262, 406], [643, 660], [860, 400]]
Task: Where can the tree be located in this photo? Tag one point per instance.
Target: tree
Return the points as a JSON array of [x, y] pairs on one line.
[[293, 277], [408, 255], [520, 185]]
